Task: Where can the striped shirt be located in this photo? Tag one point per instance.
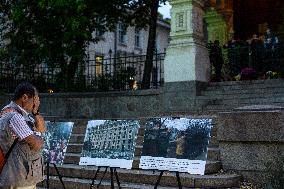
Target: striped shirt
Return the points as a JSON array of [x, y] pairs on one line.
[[19, 126]]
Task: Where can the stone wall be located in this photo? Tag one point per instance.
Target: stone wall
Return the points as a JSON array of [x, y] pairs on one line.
[[251, 142], [102, 105], [174, 98]]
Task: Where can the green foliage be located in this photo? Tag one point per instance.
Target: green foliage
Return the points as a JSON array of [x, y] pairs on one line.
[[104, 82], [56, 32], [123, 77]]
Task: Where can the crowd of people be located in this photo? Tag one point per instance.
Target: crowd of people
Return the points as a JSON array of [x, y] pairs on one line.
[[260, 53]]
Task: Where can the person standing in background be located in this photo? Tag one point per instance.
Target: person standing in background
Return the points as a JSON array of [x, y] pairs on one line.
[[216, 59]]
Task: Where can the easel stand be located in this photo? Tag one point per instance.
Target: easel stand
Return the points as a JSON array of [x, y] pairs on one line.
[[47, 174], [160, 176], [112, 171]]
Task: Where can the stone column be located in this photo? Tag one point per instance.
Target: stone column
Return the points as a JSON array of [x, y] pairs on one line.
[[187, 56], [187, 68], [251, 141]]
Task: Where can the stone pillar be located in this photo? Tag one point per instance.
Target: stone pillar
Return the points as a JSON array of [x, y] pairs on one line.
[[251, 141], [187, 56]]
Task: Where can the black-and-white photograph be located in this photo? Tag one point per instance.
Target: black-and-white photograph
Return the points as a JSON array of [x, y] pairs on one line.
[[56, 140], [110, 143], [179, 138]]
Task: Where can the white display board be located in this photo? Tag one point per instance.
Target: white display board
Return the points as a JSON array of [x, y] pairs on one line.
[[173, 164], [176, 144], [56, 140], [110, 143]]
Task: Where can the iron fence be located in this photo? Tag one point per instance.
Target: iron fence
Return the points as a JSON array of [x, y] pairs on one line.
[[101, 74], [262, 59]]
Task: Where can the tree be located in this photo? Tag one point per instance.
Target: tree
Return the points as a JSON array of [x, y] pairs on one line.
[[152, 6], [56, 32]]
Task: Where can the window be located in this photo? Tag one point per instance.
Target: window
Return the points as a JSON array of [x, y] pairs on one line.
[[137, 38], [99, 64], [157, 43], [122, 33], [155, 77], [180, 19], [99, 33]]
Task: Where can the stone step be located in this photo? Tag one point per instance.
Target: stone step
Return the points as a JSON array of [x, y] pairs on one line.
[[251, 84], [215, 109], [214, 128], [80, 128], [247, 88], [236, 102], [77, 138], [245, 93], [74, 148], [81, 176], [213, 142], [213, 154], [223, 181], [212, 166], [72, 158]]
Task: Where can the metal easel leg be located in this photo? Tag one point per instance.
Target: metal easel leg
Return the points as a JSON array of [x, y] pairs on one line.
[[178, 180], [102, 177], [111, 178], [116, 177], [47, 175], [93, 180], [158, 181], [59, 175]]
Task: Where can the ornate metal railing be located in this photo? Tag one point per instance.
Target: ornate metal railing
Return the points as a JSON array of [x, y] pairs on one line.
[[262, 59], [102, 74]]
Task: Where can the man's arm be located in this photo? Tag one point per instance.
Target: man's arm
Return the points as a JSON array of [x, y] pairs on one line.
[[34, 142], [20, 128], [40, 123]]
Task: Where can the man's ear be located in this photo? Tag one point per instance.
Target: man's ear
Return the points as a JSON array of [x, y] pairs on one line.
[[25, 97]]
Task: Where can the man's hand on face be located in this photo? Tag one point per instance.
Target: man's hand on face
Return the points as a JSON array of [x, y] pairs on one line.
[[36, 104]]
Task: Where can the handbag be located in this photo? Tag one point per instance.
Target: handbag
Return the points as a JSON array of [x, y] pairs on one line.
[[4, 158]]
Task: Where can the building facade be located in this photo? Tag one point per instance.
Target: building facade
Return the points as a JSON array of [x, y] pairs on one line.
[[127, 41], [238, 19], [120, 56]]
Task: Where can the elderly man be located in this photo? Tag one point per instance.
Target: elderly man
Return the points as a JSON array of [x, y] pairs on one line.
[[21, 124]]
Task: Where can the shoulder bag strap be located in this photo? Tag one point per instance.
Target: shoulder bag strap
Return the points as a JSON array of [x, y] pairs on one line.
[[11, 148], [7, 110]]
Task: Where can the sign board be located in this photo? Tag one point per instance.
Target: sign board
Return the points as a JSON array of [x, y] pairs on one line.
[[176, 144], [56, 141], [110, 143]]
